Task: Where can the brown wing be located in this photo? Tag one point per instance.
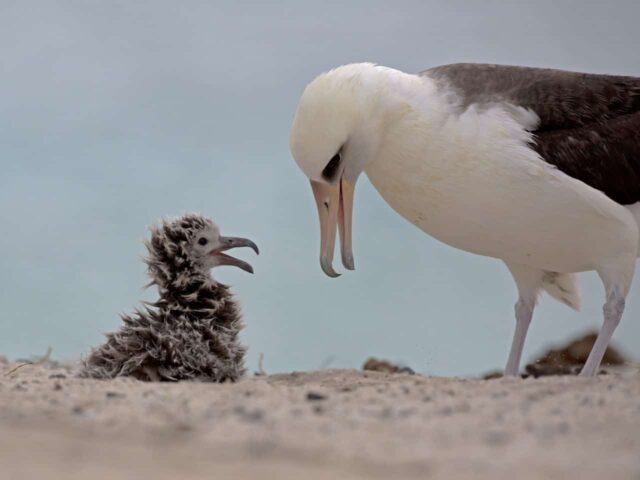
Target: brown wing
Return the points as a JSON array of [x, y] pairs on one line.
[[589, 124]]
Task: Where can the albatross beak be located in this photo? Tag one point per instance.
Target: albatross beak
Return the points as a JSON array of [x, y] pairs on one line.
[[335, 209], [227, 243]]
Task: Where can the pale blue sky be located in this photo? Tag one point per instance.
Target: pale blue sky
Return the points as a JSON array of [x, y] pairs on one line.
[[113, 114]]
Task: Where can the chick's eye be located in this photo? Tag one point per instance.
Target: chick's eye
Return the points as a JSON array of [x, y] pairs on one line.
[[202, 241]]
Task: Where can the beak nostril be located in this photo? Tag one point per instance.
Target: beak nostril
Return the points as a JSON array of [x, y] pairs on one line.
[[326, 205]]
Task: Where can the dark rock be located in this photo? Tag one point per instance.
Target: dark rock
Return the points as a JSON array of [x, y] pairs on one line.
[[540, 370], [385, 366], [568, 360]]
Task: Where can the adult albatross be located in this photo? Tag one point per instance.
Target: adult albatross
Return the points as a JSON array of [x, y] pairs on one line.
[[537, 167]]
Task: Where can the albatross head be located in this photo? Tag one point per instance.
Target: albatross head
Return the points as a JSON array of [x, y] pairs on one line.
[[333, 138]]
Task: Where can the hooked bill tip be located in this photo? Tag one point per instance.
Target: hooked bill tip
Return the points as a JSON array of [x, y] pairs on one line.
[[327, 268], [347, 261], [251, 244], [243, 266]]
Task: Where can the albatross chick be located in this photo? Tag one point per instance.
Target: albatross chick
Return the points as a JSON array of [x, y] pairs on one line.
[[191, 332]]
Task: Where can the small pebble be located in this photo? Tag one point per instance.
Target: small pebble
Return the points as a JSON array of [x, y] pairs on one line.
[[115, 395], [386, 412], [408, 370], [406, 412], [446, 411], [496, 437], [249, 415], [314, 396]]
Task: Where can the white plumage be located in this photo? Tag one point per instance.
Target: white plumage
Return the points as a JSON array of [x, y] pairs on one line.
[[468, 177]]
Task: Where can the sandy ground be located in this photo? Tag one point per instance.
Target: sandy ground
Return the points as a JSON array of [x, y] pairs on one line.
[[345, 424]]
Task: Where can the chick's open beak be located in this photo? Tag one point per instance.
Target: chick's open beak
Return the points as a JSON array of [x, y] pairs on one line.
[[227, 243], [335, 211]]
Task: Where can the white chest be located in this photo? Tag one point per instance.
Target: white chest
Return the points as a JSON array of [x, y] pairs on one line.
[[484, 191]]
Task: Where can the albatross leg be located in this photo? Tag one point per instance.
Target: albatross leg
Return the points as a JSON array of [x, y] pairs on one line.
[[524, 313], [613, 308], [617, 278], [529, 282]]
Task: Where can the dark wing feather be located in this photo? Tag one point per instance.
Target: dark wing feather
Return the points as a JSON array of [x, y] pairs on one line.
[[604, 155], [589, 124]]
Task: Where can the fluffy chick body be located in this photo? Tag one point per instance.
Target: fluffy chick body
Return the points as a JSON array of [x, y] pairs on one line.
[[191, 332]]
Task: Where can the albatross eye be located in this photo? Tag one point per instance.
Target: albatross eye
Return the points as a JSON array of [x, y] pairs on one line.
[[331, 169], [202, 241]]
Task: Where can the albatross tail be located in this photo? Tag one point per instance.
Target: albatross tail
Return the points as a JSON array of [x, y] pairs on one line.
[[563, 287]]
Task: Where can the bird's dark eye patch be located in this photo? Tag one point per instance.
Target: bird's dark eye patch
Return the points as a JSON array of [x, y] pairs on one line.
[[202, 241], [332, 167]]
